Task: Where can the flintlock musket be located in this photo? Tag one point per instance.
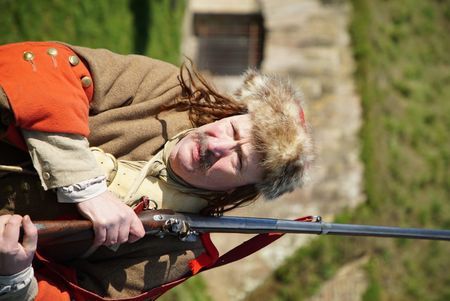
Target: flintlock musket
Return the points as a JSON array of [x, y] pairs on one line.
[[188, 226]]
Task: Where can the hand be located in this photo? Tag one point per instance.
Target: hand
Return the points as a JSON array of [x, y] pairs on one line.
[[14, 256], [113, 221]]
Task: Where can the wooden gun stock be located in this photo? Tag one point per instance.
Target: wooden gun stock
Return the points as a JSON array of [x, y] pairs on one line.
[[68, 239]]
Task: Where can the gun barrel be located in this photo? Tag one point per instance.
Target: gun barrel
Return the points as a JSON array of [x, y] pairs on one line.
[[228, 224]]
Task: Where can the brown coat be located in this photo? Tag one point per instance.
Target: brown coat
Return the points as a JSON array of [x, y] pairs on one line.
[[125, 115]]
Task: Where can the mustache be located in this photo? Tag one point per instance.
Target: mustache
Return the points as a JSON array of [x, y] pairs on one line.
[[206, 157]]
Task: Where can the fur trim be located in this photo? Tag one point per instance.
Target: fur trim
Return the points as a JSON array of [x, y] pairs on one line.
[[279, 133]]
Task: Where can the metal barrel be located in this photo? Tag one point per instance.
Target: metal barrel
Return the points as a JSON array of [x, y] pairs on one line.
[[230, 224], [382, 231]]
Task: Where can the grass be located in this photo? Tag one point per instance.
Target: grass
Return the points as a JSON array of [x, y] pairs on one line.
[[151, 28], [194, 289], [102, 23], [402, 52]]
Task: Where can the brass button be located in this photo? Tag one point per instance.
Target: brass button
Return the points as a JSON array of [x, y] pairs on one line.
[[46, 175], [52, 52], [74, 60], [86, 81], [28, 56]]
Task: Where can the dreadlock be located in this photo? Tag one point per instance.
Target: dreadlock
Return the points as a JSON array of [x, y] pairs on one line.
[[201, 99]]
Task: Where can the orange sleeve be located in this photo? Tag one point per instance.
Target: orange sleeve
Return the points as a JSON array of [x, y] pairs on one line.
[[49, 88], [50, 290]]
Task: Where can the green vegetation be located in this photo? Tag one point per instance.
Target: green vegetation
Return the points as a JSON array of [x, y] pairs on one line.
[[164, 24], [193, 289], [402, 51], [146, 27]]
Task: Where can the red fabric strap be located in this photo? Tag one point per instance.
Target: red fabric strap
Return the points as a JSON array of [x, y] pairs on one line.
[[208, 258], [68, 276], [248, 247]]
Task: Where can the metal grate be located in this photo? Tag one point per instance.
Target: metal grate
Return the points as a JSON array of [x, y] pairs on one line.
[[229, 44]]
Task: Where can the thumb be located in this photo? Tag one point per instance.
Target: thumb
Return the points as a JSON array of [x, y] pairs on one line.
[[137, 230], [30, 236]]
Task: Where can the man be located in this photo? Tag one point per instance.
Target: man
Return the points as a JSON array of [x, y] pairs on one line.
[[255, 142]]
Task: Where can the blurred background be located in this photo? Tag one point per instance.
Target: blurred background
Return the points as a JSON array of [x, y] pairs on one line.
[[376, 77]]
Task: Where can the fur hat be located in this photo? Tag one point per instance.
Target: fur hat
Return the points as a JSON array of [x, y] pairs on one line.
[[279, 131]]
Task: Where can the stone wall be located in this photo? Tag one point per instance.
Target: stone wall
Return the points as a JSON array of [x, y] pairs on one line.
[[307, 41]]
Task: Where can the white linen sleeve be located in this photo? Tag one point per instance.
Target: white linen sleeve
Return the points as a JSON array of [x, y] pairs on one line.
[[82, 191], [20, 286], [61, 159]]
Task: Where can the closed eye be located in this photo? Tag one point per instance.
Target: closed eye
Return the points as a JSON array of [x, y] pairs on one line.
[[238, 149]]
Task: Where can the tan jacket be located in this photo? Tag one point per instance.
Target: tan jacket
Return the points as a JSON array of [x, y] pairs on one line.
[[126, 118]]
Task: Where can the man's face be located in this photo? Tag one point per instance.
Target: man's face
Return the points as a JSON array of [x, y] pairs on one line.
[[218, 156]]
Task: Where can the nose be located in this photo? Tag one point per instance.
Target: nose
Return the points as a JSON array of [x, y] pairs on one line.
[[221, 147]]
